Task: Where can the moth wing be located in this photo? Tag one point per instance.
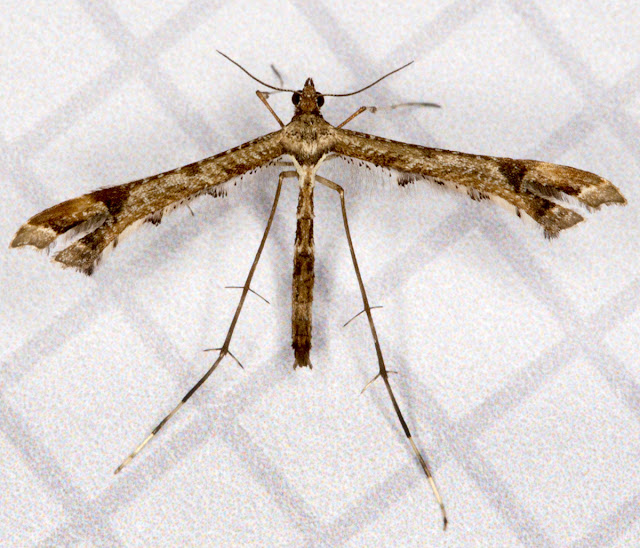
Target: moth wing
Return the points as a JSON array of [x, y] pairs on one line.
[[524, 186], [103, 215]]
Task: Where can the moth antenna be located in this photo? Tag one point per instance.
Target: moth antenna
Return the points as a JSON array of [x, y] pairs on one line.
[[366, 87], [252, 76], [277, 73]]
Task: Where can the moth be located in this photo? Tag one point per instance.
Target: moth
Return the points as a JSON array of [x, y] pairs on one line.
[[529, 188]]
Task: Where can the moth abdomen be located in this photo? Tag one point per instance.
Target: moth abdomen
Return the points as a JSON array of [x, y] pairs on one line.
[[303, 277]]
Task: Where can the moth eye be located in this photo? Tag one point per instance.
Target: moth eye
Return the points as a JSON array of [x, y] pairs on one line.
[[295, 98], [320, 100]]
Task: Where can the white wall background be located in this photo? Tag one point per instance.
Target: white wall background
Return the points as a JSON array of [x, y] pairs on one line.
[[518, 357]]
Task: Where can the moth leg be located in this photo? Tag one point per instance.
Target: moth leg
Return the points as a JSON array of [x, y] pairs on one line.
[[263, 97], [392, 107], [384, 372], [224, 350], [356, 113]]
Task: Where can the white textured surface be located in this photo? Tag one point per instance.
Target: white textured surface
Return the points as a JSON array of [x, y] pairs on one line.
[[519, 365]]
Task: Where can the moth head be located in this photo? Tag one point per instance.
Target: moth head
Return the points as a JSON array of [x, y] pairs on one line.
[[308, 100]]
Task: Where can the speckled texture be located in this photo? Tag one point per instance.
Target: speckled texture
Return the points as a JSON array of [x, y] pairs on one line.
[[517, 357]]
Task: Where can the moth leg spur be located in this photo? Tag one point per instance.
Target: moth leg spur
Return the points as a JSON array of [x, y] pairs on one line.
[[224, 350], [384, 372]]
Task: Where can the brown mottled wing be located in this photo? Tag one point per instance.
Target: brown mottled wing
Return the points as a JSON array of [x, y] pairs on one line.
[[525, 185], [106, 213]]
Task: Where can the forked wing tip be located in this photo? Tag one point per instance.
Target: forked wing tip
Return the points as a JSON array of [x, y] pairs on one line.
[[42, 239], [36, 236], [604, 194], [63, 260]]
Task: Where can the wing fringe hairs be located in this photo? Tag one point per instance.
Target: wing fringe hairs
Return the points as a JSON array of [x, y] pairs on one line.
[[525, 187], [106, 215]]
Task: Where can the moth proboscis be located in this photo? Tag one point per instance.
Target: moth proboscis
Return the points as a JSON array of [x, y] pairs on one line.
[[529, 188]]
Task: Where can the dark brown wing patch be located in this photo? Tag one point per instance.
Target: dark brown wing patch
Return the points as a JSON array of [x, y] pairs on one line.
[[524, 186], [106, 213]]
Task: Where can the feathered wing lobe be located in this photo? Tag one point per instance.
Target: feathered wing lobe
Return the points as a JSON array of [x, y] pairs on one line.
[[526, 186], [104, 214]]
